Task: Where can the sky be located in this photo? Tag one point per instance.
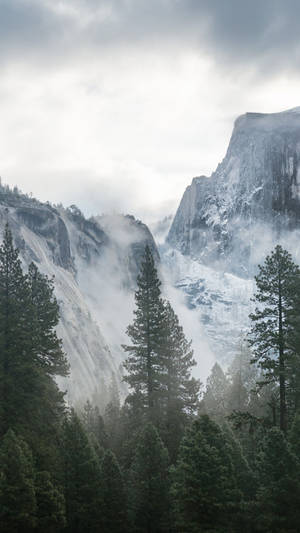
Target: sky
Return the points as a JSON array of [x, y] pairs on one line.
[[115, 105]]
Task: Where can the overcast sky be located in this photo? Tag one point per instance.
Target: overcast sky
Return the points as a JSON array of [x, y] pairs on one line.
[[115, 105]]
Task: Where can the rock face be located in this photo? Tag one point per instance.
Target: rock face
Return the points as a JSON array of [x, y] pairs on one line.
[[94, 262], [257, 183], [226, 224]]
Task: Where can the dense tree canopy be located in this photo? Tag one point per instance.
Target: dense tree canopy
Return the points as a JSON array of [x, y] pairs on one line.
[[149, 483], [205, 488], [154, 464]]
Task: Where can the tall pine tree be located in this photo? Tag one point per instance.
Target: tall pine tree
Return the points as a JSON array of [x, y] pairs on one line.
[[160, 361], [272, 334], [17, 377], [143, 364], [42, 320], [179, 391], [30, 355]]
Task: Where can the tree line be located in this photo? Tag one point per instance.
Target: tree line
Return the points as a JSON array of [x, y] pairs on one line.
[[173, 457]]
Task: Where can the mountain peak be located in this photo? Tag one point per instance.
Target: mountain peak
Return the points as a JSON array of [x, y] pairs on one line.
[[254, 194], [269, 121]]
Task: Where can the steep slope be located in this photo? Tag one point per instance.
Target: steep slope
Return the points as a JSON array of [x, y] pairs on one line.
[[82, 255], [226, 224], [220, 218]]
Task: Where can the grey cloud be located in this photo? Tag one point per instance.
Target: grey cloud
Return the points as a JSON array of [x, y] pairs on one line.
[[264, 32], [232, 31], [27, 25]]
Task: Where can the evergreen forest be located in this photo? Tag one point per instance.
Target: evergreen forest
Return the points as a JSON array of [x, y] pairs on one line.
[[175, 456]]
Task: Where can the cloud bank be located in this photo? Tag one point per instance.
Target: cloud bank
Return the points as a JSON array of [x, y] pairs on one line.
[[116, 104]]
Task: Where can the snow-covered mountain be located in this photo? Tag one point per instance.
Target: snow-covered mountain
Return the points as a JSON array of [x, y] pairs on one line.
[[227, 223], [95, 263], [256, 187], [223, 228]]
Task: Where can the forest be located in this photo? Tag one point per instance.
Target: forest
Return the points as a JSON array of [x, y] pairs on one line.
[[176, 456]]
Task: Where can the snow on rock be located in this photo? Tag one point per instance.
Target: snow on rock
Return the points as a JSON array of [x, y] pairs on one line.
[[256, 187], [221, 301], [227, 223]]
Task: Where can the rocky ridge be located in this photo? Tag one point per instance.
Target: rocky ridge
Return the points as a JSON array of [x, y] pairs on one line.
[[257, 184], [83, 255], [227, 223]]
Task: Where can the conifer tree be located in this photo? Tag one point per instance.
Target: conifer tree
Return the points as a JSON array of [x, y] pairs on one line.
[[112, 416], [160, 361], [246, 482], [142, 364], [215, 396], [242, 378], [279, 492], [43, 318], [114, 515], [50, 505], [82, 480], [149, 484], [94, 424], [30, 352], [272, 322], [204, 487], [16, 376], [17, 491], [179, 391]]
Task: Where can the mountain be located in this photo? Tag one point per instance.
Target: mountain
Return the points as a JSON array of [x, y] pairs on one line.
[[224, 226], [95, 263], [257, 186], [227, 223]]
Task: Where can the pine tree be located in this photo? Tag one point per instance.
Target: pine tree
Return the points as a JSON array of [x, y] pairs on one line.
[[204, 487], [42, 429], [17, 492], [142, 364], [242, 378], [16, 376], [112, 417], [94, 424], [279, 492], [149, 483], [245, 480], [179, 390], [272, 330], [82, 480], [50, 505], [214, 398], [160, 361], [43, 318], [114, 514], [30, 352]]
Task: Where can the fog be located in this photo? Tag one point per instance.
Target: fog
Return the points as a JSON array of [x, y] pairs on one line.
[[108, 284]]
